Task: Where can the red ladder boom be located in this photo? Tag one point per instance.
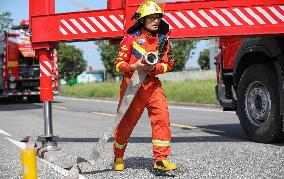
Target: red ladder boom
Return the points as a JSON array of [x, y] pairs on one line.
[[210, 18]]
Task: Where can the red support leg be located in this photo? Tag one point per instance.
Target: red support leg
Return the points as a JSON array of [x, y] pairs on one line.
[[46, 97]]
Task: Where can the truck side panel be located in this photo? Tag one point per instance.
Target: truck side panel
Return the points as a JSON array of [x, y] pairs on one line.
[[229, 52], [267, 45], [1, 60]]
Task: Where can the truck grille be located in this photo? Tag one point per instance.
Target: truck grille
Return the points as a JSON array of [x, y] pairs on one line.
[[30, 83], [26, 71]]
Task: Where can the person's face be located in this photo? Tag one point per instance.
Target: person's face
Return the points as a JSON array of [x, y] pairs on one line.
[[152, 22]]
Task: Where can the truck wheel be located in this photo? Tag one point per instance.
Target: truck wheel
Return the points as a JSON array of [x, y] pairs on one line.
[[258, 104]]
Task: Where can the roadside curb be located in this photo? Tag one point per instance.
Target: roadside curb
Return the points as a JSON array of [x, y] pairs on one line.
[[169, 102], [194, 104]]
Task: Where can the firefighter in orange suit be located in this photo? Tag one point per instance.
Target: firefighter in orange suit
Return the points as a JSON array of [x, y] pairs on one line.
[[148, 34]]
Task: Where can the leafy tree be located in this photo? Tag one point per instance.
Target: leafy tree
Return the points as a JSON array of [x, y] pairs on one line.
[[6, 21], [71, 61], [108, 55], [204, 60], [181, 52]]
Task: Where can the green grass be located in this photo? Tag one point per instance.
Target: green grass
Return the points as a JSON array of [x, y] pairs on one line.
[[191, 91], [102, 90]]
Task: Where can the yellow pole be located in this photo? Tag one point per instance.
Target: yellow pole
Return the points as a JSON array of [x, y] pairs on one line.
[[29, 163]]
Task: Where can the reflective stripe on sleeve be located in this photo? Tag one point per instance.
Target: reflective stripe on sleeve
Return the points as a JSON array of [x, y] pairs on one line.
[[161, 143], [118, 145], [139, 49], [165, 67], [117, 65]]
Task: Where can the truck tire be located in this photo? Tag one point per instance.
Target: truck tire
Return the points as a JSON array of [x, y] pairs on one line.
[[258, 104]]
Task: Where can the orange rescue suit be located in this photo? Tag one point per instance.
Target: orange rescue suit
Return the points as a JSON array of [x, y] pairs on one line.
[[150, 94]]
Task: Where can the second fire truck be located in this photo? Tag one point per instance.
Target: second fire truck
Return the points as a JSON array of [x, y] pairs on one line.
[[19, 64]]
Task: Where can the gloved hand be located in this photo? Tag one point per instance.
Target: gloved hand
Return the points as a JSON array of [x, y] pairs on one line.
[[140, 65]]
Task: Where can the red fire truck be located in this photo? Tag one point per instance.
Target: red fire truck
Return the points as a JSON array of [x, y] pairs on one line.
[[20, 68], [250, 74]]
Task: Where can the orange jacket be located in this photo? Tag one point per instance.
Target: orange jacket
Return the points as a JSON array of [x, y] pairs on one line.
[[128, 54]]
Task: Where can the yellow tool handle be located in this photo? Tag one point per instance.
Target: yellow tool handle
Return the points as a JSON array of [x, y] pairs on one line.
[[29, 164]]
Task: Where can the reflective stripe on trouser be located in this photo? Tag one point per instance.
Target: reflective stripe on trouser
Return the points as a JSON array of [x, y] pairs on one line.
[[154, 100], [119, 146]]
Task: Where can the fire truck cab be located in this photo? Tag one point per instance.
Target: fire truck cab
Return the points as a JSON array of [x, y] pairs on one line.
[[250, 76]]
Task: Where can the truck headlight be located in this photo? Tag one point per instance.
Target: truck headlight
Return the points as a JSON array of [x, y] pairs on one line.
[[12, 85], [151, 58], [11, 78]]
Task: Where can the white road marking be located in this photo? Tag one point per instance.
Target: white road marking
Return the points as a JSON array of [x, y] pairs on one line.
[[58, 169], [5, 133], [62, 171], [21, 145], [194, 127], [170, 106], [172, 124], [199, 109], [57, 107], [184, 126], [104, 114], [82, 99]]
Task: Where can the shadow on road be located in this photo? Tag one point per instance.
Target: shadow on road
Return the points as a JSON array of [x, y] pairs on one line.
[[18, 106], [14, 105], [149, 139], [226, 130], [146, 163], [96, 171], [222, 133], [135, 163]]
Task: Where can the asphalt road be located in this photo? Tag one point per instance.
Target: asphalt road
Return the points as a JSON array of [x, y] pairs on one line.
[[206, 142]]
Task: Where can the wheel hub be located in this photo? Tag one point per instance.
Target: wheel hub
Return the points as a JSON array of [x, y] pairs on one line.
[[258, 103]]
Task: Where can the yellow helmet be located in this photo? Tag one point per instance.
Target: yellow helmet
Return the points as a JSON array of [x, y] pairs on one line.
[[146, 8]]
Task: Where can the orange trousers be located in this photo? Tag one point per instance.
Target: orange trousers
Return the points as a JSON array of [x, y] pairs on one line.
[[151, 96]]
